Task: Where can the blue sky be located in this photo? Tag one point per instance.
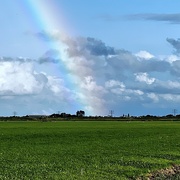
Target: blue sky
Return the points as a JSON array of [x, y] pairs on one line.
[[115, 55]]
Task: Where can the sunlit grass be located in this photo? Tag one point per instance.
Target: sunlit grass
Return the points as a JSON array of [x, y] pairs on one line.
[[86, 150]]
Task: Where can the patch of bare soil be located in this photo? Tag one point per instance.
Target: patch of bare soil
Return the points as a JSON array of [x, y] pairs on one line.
[[172, 173]]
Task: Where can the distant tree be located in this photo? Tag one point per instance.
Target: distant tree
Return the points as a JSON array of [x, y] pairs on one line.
[[169, 115], [63, 115], [80, 113]]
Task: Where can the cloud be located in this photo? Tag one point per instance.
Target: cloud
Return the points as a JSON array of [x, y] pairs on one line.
[[170, 18], [27, 91], [88, 46], [143, 77], [169, 58], [98, 77], [50, 56], [144, 55], [93, 93], [114, 83], [175, 44], [17, 59], [88, 57], [153, 96], [19, 79], [175, 70], [78, 45], [97, 47]]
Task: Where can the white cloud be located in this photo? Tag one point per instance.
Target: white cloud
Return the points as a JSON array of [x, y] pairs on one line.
[[143, 77], [169, 97], [173, 84], [90, 85], [127, 98], [172, 58], [144, 55], [92, 94], [153, 96], [115, 86], [136, 92], [113, 83], [169, 58], [117, 90], [19, 79]]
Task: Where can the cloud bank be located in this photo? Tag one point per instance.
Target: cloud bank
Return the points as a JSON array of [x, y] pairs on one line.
[[96, 78]]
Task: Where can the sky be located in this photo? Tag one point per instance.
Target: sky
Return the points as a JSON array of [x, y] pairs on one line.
[[99, 56]]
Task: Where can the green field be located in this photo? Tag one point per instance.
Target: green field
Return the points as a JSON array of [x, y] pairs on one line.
[[86, 150]]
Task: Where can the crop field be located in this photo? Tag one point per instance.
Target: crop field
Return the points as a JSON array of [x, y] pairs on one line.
[[86, 150]]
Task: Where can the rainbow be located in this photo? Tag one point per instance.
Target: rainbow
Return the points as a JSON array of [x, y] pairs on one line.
[[47, 15]]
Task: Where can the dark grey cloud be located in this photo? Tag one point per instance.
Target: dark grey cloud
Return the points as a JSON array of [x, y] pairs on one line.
[[80, 45], [89, 46], [175, 44], [126, 61], [99, 48]]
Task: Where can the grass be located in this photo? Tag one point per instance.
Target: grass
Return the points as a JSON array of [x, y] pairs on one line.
[[86, 150]]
